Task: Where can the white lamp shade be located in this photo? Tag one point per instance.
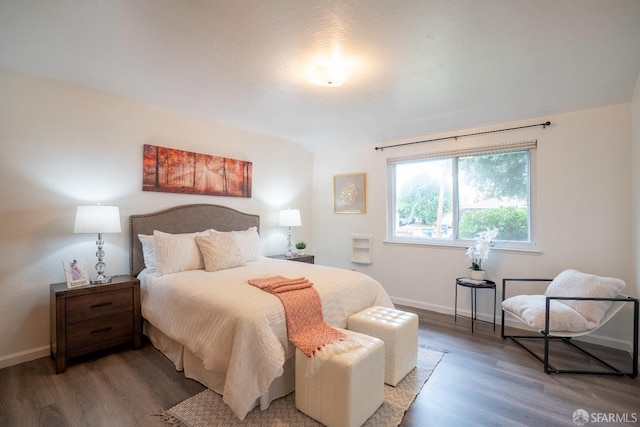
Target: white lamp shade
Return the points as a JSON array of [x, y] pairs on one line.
[[97, 219], [289, 218]]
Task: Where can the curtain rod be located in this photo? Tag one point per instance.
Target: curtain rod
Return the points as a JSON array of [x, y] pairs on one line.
[[544, 125]]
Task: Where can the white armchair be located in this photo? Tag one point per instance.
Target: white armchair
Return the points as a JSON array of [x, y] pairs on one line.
[[574, 304]]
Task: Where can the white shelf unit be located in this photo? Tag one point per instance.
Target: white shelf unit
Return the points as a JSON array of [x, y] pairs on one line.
[[361, 248]]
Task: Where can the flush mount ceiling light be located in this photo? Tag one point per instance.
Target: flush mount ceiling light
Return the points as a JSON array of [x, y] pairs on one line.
[[330, 75]]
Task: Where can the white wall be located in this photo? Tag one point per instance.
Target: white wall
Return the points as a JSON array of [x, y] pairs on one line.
[[583, 213], [635, 198], [64, 146]]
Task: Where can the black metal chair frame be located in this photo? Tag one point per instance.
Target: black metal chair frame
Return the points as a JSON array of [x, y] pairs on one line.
[[548, 337]]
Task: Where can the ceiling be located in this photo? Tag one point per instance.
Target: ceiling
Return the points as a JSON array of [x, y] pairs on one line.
[[419, 67]]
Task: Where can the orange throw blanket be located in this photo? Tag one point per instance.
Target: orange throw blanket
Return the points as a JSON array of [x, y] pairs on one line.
[[306, 328]]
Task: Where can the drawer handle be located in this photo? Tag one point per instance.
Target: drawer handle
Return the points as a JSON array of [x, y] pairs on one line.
[[102, 304], [97, 331]]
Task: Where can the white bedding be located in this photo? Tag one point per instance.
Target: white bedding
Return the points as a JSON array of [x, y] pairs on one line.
[[236, 328]]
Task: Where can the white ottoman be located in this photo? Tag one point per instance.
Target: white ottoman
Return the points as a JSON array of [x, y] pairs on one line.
[[399, 331], [347, 389]]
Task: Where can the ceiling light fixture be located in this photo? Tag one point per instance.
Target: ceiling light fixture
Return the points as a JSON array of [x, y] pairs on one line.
[[330, 75]]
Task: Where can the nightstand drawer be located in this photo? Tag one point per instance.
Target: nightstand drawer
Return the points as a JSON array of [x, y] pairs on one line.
[[85, 319], [98, 305], [82, 334]]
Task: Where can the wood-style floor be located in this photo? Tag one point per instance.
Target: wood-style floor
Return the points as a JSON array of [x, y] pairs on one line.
[[484, 380], [481, 380]]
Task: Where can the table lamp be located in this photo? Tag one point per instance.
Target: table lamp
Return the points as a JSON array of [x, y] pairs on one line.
[[98, 219], [289, 218]]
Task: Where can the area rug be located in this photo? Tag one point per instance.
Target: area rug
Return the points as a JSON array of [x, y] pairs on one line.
[[206, 408]]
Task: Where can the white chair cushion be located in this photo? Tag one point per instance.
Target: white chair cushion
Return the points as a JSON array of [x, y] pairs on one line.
[[531, 309], [572, 283]]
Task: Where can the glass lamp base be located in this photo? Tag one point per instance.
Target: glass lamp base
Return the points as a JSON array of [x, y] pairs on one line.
[[99, 280]]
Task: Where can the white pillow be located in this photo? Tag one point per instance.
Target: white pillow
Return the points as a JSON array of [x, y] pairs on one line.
[[220, 251], [531, 309], [572, 283], [177, 252], [148, 250], [248, 242]]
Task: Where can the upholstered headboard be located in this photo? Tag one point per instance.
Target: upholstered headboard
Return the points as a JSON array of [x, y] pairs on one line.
[[184, 219]]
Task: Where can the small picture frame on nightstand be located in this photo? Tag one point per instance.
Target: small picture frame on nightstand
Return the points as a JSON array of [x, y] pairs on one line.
[[75, 272]]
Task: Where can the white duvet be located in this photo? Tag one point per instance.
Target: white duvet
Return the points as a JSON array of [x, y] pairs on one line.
[[234, 327]]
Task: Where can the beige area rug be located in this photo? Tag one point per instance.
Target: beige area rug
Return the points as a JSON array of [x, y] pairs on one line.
[[206, 409]]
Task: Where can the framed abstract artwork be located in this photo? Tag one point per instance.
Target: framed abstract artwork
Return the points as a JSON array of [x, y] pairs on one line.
[[176, 171], [350, 193]]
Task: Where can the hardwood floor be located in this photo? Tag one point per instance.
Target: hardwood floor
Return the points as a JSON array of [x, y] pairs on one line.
[[481, 380], [484, 380], [121, 388]]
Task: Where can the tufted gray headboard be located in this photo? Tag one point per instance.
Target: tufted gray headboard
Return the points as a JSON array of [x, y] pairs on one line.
[[184, 219]]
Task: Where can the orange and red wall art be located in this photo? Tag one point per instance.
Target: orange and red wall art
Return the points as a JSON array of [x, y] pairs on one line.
[[177, 171]]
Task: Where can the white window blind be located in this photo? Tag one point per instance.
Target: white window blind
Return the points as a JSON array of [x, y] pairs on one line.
[[467, 151]]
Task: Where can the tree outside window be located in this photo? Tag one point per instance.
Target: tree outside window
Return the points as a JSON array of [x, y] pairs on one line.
[[485, 191]]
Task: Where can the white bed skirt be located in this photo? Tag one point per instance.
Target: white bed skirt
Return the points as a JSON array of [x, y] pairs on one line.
[[185, 360]]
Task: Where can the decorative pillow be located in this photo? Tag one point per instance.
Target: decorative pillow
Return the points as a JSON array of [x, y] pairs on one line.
[[531, 308], [177, 252], [572, 283], [148, 250], [220, 251], [248, 241]]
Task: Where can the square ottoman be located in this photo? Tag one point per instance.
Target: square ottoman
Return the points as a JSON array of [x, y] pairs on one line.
[[347, 388], [399, 331]]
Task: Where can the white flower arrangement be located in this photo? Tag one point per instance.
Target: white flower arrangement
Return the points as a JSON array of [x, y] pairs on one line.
[[479, 253]]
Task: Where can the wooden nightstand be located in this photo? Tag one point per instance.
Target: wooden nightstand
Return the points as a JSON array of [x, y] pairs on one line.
[[94, 317], [309, 259]]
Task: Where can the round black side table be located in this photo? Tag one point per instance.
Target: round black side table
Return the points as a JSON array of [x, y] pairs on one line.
[[473, 286]]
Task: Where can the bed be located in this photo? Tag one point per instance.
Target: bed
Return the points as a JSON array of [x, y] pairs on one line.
[[213, 325]]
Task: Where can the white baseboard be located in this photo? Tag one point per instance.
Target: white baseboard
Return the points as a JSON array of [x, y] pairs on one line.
[[24, 356], [417, 304], [591, 339]]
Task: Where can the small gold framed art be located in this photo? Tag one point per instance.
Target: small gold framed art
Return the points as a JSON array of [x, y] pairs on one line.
[[350, 193]]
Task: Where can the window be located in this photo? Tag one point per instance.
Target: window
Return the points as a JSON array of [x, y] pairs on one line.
[[445, 197]]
